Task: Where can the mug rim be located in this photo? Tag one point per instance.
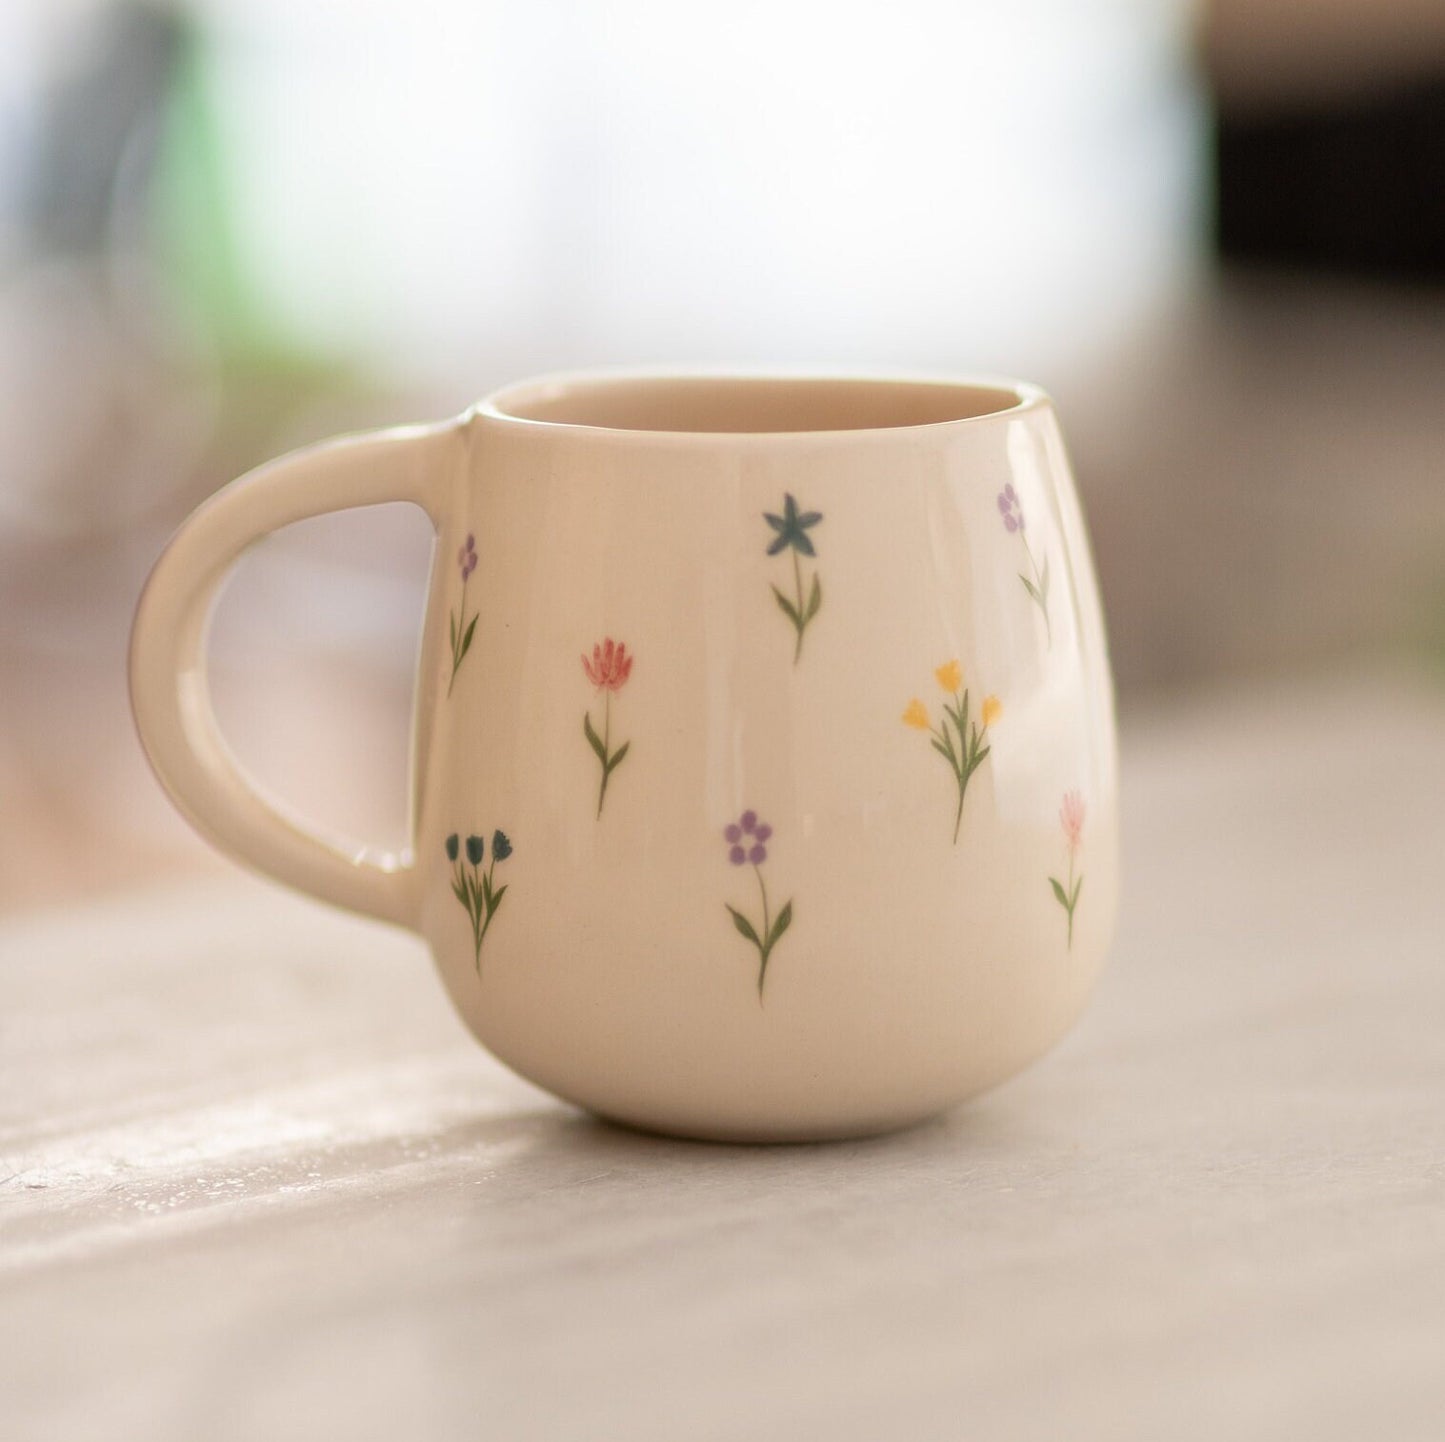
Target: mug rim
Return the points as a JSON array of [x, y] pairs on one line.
[[507, 406]]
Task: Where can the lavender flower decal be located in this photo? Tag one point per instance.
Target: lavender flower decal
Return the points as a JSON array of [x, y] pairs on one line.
[[791, 534], [462, 629], [747, 842], [1038, 588], [473, 887], [1071, 817]]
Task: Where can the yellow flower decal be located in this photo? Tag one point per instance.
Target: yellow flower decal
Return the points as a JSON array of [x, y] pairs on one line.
[[916, 715], [961, 741]]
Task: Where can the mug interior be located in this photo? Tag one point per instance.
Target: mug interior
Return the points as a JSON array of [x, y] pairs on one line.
[[735, 404]]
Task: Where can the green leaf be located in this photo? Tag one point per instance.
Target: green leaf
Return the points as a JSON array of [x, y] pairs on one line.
[[1078, 886], [744, 926], [459, 890], [467, 637], [1060, 893], [946, 746], [593, 739], [788, 607], [617, 757], [942, 750], [815, 598], [1032, 589], [783, 922], [452, 617], [497, 896], [486, 891], [978, 756]]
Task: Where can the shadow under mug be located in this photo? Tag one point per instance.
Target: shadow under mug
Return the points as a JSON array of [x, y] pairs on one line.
[[764, 778]]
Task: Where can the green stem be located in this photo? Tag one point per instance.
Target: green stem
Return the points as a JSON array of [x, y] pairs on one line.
[[606, 751], [802, 624], [765, 946], [965, 767], [1071, 899], [487, 921], [478, 931], [457, 639], [1039, 583]]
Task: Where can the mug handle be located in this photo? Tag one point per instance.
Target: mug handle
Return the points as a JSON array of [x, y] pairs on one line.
[[171, 699]]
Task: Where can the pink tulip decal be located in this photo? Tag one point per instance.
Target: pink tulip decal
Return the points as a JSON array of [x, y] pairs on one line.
[[1071, 818], [608, 670]]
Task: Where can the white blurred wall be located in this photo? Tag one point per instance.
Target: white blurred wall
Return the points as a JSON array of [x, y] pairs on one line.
[[501, 188]]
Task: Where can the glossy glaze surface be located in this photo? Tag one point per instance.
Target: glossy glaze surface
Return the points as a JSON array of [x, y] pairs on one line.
[[915, 969], [827, 840]]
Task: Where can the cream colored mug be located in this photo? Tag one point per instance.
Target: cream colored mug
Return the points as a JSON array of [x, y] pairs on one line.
[[764, 782]]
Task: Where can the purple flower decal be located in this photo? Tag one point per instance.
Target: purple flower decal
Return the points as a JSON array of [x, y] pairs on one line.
[[1009, 508], [462, 629], [746, 840], [1037, 584]]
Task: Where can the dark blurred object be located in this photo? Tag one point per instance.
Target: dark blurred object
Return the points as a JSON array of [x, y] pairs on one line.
[[100, 132], [1354, 185], [1329, 135]]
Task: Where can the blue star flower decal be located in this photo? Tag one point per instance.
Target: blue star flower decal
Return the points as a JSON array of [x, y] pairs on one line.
[[792, 528], [790, 533]]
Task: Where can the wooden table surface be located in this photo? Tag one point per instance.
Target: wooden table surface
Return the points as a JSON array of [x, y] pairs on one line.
[[256, 1182]]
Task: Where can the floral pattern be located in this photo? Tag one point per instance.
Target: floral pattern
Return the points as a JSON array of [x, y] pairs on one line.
[[463, 630], [608, 671], [791, 534], [1071, 818], [474, 888], [961, 741], [961, 737], [1037, 585], [747, 842]]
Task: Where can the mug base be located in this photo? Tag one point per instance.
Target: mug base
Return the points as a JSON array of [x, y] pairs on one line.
[[772, 1134]]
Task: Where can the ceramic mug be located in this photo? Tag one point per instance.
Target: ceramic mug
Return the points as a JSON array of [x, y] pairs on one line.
[[764, 782]]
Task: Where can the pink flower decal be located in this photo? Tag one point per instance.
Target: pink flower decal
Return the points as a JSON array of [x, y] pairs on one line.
[[1071, 814], [610, 665], [1071, 818], [608, 671]]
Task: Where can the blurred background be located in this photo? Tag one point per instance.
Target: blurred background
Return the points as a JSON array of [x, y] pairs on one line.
[[1215, 231]]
